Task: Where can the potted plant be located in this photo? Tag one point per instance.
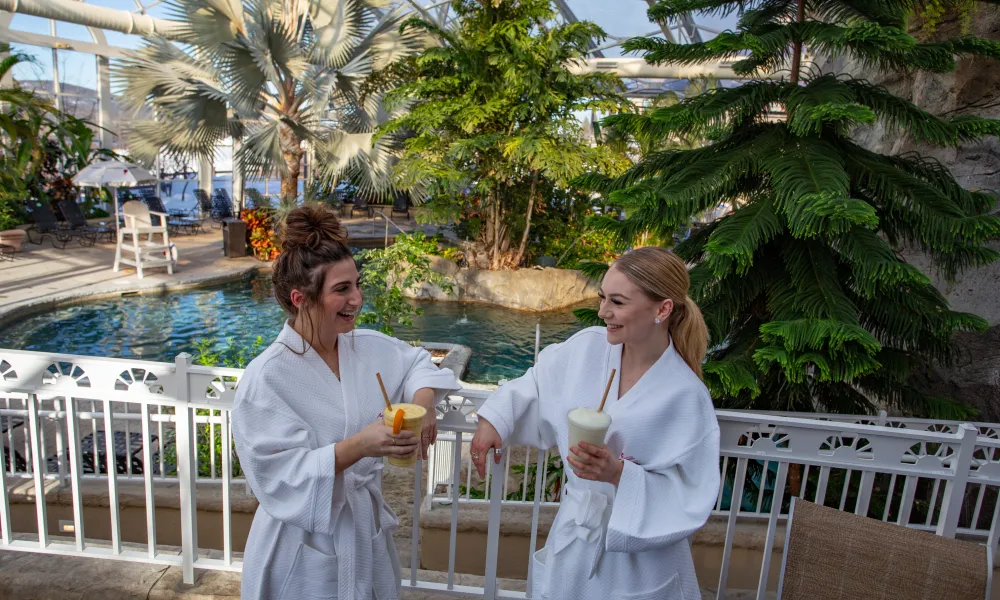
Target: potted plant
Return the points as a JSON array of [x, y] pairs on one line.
[[10, 235]]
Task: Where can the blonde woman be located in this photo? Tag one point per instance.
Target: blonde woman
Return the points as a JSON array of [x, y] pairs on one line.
[[630, 505]]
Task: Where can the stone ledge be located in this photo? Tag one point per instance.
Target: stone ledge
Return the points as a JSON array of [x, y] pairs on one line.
[[166, 494], [474, 518], [457, 358], [516, 520]]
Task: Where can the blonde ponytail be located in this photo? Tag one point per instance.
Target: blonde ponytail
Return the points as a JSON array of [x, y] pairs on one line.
[[661, 275], [689, 334]]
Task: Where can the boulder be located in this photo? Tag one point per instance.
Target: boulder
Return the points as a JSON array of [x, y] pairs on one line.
[[974, 89], [532, 289]]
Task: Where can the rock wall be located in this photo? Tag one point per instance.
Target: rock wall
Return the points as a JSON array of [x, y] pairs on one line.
[[534, 289], [973, 88]]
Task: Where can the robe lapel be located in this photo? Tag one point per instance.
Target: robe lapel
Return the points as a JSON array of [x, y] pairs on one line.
[[613, 361]]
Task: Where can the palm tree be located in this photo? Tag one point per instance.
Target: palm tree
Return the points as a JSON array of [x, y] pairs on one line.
[[276, 75]]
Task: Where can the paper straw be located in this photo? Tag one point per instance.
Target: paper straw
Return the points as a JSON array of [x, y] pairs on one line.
[[607, 388], [388, 405]]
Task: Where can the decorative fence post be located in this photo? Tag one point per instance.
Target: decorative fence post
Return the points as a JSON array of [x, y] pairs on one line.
[[38, 467], [954, 491], [186, 474], [493, 528]]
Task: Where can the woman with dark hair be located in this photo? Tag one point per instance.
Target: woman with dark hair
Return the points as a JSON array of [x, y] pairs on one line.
[[631, 503], [308, 426]]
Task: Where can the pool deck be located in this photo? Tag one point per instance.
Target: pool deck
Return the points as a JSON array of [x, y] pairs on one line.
[[42, 276]]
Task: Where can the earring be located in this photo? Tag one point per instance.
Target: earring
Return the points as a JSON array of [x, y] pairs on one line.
[[657, 321]]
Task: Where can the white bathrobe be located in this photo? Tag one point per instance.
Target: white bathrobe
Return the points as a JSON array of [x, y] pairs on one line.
[[319, 534], [630, 543]]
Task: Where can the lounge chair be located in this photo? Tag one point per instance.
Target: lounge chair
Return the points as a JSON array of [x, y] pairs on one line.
[[123, 455], [174, 222], [401, 205], [152, 252], [46, 225], [77, 222], [831, 554], [204, 206], [20, 466], [222, 205], [361, 204]]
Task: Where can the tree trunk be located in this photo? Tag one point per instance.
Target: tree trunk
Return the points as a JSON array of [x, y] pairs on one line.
[[794, 479], [290, 178], [495, 258], [527, 221], [486, 209], [291, 149], [797, 46]]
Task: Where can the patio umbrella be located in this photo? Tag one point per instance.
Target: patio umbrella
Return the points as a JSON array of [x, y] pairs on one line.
[[114, 174]]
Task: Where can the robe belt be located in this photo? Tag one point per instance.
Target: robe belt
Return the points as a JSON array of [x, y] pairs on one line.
[[361, 556], [589, 512]]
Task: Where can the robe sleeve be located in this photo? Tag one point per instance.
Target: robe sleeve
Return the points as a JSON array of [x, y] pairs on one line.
[[514, 409], [292, 481], [423, 373], [661, 506]]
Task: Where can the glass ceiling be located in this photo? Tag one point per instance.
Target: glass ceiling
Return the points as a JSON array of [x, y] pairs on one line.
[[620, 19], [72, 76]]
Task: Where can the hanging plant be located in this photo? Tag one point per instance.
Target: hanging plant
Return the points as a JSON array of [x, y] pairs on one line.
[[932, 13]]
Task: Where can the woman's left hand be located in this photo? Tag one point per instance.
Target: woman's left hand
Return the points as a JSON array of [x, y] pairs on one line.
[[425, 397], [595, 464]]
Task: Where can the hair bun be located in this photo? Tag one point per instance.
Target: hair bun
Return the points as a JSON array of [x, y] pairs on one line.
[[312, 226]]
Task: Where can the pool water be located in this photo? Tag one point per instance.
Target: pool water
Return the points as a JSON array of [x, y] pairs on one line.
[[158, 327]]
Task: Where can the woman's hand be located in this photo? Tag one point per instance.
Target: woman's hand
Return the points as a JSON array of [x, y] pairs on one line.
[[425, 397], [595, 464], [377, 440], [485, 438]]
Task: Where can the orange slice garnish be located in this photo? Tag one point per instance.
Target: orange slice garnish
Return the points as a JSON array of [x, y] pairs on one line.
[[397, 422]]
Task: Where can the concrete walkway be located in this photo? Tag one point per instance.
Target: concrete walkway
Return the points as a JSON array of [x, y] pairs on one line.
[[30, 576], [42, 276]]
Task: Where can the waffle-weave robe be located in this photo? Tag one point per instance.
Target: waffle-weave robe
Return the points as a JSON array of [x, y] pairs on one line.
[[630, 542], [319, 534]]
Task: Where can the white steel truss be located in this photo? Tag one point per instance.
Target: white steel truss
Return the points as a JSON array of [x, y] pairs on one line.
[[641, 79]]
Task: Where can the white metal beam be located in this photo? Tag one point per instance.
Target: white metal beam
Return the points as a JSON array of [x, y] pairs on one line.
[[638, 68], [94, 16], [47, 41]]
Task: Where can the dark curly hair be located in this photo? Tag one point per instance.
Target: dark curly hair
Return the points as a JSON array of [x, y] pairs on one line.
[[311, 238]]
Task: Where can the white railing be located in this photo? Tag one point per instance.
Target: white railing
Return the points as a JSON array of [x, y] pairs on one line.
[[840, 492], [169, 423]]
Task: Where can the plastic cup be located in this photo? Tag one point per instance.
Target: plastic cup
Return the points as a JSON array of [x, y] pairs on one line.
[[413, 420], [588, 425]]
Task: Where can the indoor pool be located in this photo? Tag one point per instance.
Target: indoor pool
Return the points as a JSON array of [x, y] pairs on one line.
[[158, 327]]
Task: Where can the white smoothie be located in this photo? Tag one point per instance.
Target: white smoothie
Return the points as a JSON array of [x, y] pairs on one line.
[[588, 425]]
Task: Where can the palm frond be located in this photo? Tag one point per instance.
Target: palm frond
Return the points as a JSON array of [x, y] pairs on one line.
[[588, 317], [594, 271]]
